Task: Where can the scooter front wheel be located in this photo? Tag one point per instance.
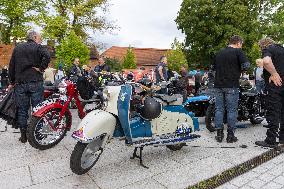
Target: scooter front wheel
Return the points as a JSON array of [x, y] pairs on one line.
[[85, 156]]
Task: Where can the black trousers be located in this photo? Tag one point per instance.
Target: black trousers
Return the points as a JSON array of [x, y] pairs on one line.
[[274, 102]]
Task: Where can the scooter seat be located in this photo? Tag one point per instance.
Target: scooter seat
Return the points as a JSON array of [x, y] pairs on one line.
[[168, 98]]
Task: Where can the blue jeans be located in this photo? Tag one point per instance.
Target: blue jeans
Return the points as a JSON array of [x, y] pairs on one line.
[[27, 94], [226, 99], [260, 86]]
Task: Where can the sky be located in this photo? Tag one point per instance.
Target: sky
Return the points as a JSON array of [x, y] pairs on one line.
[[142, 24]]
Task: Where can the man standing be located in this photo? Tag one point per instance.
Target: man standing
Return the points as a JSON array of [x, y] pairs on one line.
[[161, 70], [102, 66], [76, 71], [258, 74], [273, 62], [27, 64], [49, 74], [197, 80], [228, 64]]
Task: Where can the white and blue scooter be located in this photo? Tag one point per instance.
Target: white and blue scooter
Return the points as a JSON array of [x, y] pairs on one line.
[[126, 115]]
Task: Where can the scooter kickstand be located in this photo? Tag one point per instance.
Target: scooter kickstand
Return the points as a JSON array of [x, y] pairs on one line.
[[139, 157]]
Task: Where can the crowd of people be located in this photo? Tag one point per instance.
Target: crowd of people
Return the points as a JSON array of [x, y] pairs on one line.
[[29, 68]]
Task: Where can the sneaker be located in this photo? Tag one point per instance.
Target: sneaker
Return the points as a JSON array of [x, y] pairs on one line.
[[266, 144]]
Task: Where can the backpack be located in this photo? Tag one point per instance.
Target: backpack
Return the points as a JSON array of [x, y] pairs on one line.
[[86, 90]]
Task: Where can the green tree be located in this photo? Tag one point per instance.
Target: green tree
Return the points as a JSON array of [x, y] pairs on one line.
[[114, 64], [129, 61], [70, 48], [176, 57], [15, 16], [77, 15], [208, 24]]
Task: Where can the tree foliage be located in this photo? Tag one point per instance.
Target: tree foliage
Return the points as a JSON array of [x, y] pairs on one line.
[[76, 15], [114, 64], [129, 61], [15, 16], [176, 57], [208, 24], [70, 48]]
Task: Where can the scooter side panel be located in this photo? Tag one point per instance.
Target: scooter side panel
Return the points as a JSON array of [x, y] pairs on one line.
[[182, 110], [169, 121], [94, 124], [140, 127]]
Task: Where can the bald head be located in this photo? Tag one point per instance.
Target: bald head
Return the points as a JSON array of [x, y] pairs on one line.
[[34, 36]]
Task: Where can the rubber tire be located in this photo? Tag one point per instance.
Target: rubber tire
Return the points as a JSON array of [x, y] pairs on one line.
[[75, 159], [32, 140], [210, 112], [254, 122], [176, 147]]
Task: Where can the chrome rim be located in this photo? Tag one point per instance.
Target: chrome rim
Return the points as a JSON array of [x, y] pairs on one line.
[[46, 135], [91, 154]]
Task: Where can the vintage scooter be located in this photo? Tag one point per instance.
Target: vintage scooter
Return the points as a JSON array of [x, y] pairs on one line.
[[132, 114]]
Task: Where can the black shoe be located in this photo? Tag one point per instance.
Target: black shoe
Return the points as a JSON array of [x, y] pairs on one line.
[[23, 137], [266, 144], [231, 138], [220, 135]]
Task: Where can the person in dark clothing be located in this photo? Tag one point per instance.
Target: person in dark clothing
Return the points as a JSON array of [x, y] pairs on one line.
[[273, 63], [76, 71], [102, 66], [4, 78], [161, 70], [228, 64], [197, 80], [27, 64]]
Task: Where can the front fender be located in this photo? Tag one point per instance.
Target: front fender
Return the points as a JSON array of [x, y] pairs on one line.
[[46, 105], [95, 124]]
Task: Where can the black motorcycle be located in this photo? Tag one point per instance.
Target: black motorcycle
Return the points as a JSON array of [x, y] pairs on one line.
[[251, 107]]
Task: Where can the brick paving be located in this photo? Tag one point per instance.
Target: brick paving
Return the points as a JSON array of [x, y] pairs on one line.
[[21, 166]]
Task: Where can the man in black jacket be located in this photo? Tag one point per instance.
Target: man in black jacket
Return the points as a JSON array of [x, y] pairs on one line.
[[102, 66], [228, 64], [27, 64], [273, 63]]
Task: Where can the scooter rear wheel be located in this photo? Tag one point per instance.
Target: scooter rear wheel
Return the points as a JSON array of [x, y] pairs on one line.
[[176, 147], [209, 118], [85, 156]]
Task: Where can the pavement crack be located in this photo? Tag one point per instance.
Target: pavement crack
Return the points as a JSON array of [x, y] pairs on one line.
[[30, 172]]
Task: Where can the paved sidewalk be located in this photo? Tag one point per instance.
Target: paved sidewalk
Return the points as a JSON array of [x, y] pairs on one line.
[[269, 175], [21, 166]]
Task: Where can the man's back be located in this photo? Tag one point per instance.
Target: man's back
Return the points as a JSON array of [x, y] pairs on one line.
[[26, 56], [276, 52], [228, 63]]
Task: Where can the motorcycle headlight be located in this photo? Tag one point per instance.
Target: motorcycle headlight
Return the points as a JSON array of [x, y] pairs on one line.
[[62, 88]]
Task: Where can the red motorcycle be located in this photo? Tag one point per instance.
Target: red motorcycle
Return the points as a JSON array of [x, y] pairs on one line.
[[52, 118]]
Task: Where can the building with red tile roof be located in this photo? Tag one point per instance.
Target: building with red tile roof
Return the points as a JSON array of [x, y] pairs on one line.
[[146, 57]]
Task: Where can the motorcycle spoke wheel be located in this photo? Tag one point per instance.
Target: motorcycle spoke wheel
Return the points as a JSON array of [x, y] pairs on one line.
[[44, 132]]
